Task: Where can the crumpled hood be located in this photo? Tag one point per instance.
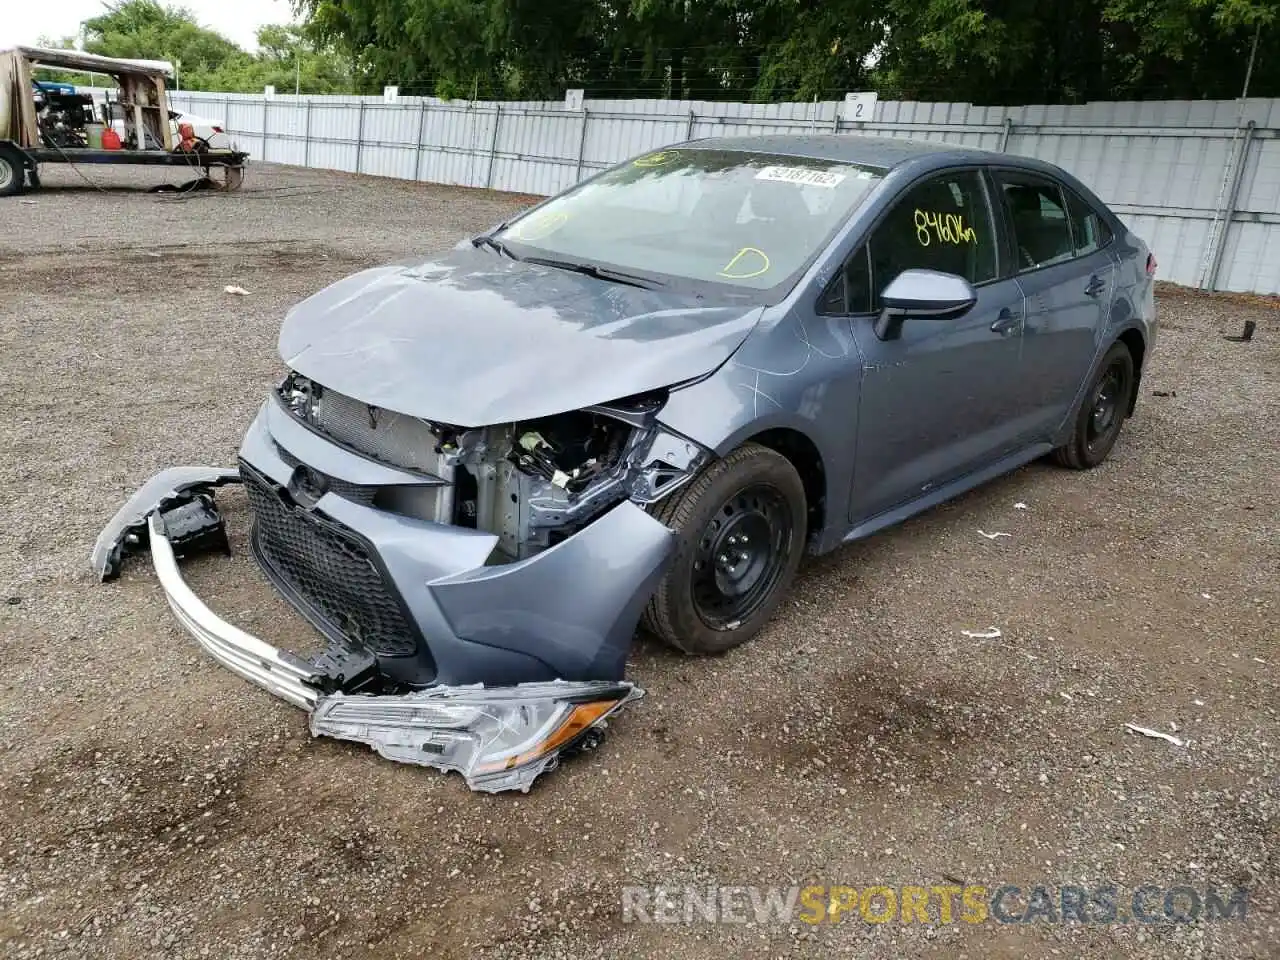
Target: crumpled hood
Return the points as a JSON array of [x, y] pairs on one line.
[[473, 338]]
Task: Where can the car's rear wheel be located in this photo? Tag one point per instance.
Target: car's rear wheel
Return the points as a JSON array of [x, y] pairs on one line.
[[1106, 404], [740, 533]]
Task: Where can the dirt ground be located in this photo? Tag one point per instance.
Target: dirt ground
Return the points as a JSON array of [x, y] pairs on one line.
[[154, 805]]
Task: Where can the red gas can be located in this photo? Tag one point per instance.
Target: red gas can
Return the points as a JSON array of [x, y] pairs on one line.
[[110, 139]]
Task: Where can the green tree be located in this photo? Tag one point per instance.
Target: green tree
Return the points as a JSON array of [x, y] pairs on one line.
[[1026, 51], [144, 29], [983, 51], [287, 58], [815, 49], [457, 48], [1194, 48]]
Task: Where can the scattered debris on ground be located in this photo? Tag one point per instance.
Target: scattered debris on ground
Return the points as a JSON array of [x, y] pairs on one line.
[[1155, 734]]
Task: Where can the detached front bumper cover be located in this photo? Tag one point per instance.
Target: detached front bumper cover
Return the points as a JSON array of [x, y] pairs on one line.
[[498, 738]]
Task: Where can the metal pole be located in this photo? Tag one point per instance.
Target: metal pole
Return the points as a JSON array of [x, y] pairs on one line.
[[1248, 71], [306, 146], [493, 145], [1217, 237], [422, 123], [1237, 177], [360, 136], [582, 146], [688, 131], [1006, 133], [265, 104]]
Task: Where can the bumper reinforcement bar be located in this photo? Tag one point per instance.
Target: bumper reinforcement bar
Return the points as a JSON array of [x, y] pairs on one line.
[[277, 671]]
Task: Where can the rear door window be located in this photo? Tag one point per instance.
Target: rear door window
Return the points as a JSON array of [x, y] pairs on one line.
[[1038, 215]]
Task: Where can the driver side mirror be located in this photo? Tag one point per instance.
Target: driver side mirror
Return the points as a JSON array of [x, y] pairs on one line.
[[922, 293]]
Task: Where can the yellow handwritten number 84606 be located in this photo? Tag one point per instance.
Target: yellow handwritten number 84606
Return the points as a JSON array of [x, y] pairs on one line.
[[946, 228]]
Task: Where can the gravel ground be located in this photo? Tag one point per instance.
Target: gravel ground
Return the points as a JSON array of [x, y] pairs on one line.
[[157, 806]]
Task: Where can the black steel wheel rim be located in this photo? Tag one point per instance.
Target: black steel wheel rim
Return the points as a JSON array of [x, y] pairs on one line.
[[741, 556], [1105, 408]]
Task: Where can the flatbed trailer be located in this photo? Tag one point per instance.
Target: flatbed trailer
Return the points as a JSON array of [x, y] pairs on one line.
[[231, 162], [25, 143], [210, 158]]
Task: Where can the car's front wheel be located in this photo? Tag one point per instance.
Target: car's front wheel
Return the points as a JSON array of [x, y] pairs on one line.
[[1103, 412], [740, 532]]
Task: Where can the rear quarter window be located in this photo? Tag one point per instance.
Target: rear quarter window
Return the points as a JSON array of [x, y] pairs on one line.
[[1088, 227]]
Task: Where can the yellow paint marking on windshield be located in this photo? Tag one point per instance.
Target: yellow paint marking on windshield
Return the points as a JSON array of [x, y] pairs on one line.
[[656, 159], [945, 227], [536, 226], [728, 269]]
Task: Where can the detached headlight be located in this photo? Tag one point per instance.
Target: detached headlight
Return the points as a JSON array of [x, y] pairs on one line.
[[498, 738]]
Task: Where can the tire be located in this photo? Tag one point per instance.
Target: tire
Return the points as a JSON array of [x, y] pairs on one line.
[[12, 173], [1102, 414], [751, 502]]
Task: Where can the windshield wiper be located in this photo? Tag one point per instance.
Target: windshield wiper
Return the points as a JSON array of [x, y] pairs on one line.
[[486, 240], [600, 273]]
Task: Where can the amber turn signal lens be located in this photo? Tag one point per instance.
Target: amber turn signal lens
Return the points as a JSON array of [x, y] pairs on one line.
[[580, 718]]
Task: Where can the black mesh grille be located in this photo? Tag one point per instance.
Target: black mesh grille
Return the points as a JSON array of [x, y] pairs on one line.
[[329, 571]]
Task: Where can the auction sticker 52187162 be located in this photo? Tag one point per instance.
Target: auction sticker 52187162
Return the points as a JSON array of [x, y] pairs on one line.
[[801, 175]]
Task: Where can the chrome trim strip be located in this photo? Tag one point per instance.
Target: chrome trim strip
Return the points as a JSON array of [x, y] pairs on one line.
[[242, 653]]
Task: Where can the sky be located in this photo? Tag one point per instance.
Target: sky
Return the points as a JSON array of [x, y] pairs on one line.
[[24, 22]]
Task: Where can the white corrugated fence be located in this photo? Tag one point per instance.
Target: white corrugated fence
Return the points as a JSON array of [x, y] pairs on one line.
[[1198, 180]]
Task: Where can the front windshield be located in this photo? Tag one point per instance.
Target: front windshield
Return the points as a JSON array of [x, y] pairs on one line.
[[716, 216]]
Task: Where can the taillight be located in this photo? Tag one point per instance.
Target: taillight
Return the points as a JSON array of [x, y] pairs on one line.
[[1151, 264], [219, 130]]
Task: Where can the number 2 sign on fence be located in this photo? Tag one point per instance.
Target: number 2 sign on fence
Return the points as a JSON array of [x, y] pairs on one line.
[[860, 107]]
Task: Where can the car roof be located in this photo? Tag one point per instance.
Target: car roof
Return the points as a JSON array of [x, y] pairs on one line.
[[864, 150]]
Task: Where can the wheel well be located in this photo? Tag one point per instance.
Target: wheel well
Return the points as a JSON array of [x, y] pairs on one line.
[[1137, 349], [804, 456]]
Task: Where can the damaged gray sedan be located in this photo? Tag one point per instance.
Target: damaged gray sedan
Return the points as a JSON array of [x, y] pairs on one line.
[[644, 400]]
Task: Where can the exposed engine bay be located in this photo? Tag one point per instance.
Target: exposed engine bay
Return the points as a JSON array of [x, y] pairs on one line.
[[532, 483], [62, 118]]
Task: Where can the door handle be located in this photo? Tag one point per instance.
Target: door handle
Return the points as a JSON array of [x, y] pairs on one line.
[[1007, 322], [1096, 286]]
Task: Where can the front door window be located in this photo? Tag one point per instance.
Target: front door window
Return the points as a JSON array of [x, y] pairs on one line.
[[943, 224]]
